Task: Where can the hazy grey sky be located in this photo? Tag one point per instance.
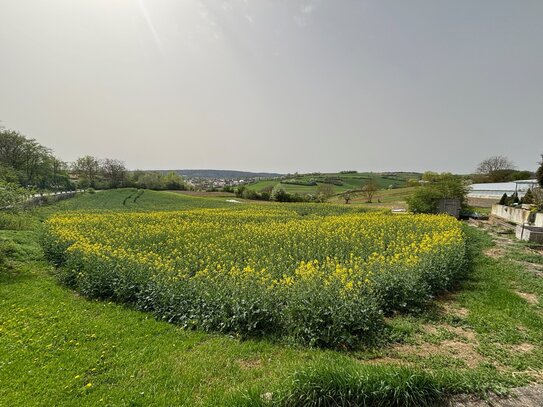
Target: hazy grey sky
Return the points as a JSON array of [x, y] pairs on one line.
[[277, 85]]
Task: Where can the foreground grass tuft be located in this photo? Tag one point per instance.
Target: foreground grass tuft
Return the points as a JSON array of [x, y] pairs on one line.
[[331, 384]]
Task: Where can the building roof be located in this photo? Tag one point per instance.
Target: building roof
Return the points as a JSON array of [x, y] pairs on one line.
[[494, 186], [496, 189], [526, 181]]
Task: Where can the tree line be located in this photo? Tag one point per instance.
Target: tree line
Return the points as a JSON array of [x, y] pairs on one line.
[[26, 163]]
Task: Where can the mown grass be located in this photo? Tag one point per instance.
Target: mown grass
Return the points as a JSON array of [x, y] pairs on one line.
[[57, 348]]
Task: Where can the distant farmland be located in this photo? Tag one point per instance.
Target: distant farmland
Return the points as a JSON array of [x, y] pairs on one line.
[[307, 183]]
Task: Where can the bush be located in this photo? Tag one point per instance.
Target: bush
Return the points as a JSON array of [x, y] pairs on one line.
[[7, 249], [12, 196], [14, 221], [439, 186], [280, 195], [528, 198]]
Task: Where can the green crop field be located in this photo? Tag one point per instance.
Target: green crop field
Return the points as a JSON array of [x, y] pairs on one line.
[[345, 182], [59, 346]]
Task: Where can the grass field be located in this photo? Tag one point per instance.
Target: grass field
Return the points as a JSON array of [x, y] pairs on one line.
[[132, 199], [58, 348]]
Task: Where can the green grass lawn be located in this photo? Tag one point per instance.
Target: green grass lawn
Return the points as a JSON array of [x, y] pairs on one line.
[[58, 348]]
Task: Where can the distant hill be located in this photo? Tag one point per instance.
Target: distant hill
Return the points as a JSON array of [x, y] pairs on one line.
[[225, 174]]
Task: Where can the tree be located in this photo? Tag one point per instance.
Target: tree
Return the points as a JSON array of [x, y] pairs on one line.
[[25, 158], [493, 164], [539, 173], [279, 194], [347, 196], [240, 190], [324, 192], [150, 180], [114, 172], [174, 181], [528, 198], [369, 190], [87, 169]]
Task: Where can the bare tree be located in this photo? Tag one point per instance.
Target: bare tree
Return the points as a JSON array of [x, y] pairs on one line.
[[369, 190], [347, 196], [113, 171], [495, 163]]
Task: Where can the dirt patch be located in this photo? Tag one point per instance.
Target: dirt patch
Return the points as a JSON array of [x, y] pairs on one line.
[[530, 298], [249, 363], [495, 252], [462, 351], [456, 330], [463, 333], [530, 396], [522, 347], [454, 310]]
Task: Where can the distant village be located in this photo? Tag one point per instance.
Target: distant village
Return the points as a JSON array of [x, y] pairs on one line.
[[211, 184]]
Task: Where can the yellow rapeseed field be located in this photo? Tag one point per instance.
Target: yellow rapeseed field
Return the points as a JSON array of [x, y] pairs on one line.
[[237, 265]]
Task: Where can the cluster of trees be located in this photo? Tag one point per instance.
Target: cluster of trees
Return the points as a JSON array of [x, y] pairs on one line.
[[277, 193], [270, 193], [112, 173], [25, 163], [91, 172], [514, 199], [157, 180], [323, 192], [368, 190]]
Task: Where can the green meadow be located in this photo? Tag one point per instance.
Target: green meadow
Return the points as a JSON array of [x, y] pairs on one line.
[[59, 348]]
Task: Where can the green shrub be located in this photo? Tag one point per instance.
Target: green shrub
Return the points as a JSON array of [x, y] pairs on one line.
[[528, 198], [439, 186], [14, 221], [7, 250]]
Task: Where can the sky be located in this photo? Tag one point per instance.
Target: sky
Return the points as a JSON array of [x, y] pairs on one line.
[[277, 85]]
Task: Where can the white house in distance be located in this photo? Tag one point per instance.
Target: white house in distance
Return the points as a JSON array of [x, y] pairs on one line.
[[497, 189]]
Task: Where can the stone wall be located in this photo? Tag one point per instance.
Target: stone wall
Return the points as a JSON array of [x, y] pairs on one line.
[[529, 233], [513, 215], [539, 220]]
